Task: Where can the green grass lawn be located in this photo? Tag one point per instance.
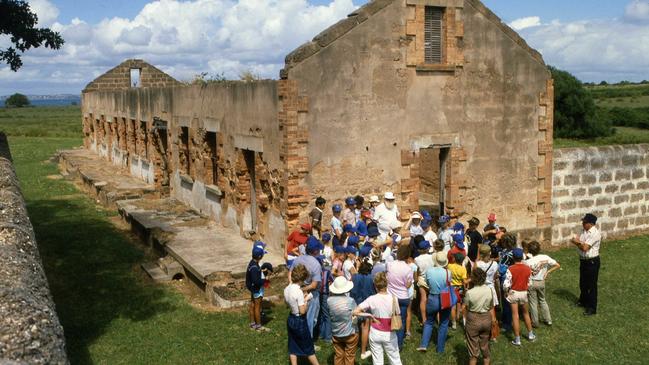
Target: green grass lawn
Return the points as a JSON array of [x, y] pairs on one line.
[[45, 121], [624, 102], [623, 135], [113, 314]]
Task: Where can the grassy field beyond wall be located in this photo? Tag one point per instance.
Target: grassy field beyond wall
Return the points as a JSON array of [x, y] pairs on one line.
[[113, 314]]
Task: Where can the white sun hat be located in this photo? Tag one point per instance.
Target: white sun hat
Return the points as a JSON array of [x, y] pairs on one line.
[[374, 199], [389, 195], [415, 215], [341, 285]]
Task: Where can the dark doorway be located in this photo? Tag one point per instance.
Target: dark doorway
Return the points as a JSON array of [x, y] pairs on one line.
[[249, 156], [432, 177]]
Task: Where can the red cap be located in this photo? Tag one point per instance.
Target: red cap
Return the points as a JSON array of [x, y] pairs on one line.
[[491, 217], [366, 213], [305, 226]]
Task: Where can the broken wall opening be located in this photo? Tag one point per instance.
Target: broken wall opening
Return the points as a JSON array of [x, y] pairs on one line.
[[433, 178], [210, 161], [184, 155]]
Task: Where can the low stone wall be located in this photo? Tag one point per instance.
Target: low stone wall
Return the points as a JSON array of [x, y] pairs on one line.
[[610, 181], [30, 331]]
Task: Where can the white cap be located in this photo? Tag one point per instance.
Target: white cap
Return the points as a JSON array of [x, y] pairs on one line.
[[388, 195], [374, 199], [415, 215]]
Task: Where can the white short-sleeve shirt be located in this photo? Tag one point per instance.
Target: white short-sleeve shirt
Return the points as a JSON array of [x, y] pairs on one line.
[[294, 298], [539, 265], [592, 238]]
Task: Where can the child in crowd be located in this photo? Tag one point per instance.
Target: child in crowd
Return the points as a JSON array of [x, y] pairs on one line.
[[424, 262], [327, 251], [295, 243], [316, 216], [336, 225], [349, 266], [363, 289], [438, 246], [374, 202], [255, 284], [490, 267], [341, 306], [414, 225], [445, 232], [516, 285], [458, 282], [381, 306], [339, 257], [359, 206], [411, 291], [541, 266], [300, 342], [349, 213], [324, 322], [378, 264], [429, 233]]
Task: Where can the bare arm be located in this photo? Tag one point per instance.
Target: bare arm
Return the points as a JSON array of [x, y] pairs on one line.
[[552, 269], [582, 246]]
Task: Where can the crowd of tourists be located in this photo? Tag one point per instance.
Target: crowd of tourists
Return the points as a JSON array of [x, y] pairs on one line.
[[360, 281]]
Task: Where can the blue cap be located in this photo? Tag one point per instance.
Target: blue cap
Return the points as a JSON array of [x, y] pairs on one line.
[[518, 253], [459, 245], [373, 231], [361, 228], [350, 249], [444, 219], [350, 201], [313, 244], [458, 227], [424, 245], [425, 224], [336, 208], [458, 237], [426, 215], [349, 228], [326, 237], [353, 241], [258, 251], [339, 249], [260, 244], [365, 251]]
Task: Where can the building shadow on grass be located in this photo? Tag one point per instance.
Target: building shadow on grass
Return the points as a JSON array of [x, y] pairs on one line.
[[93, 272]]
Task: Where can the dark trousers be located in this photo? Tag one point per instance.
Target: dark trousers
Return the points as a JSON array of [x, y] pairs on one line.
[[588, 274]]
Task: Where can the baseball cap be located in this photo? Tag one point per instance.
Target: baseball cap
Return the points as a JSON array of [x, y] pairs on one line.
[[258, 251], [350, 249], [373, 231], [361, 228], [336, 208], [518, 253], [326, 237], [388, 195], [352, 241], [349, 228], [589, 218], [339, 249], [458, 227], [424, 245], [444, 219], [350, 201], [306, 226], [313, 244], [365, 251], [425, 224]]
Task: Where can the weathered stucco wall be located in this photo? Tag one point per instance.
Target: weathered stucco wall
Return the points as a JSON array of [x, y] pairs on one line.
[[370, 110], [609, 181], [207, 130], [30, 332]]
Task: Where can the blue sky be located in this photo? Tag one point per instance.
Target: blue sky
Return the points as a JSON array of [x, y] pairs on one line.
[[594, 39]]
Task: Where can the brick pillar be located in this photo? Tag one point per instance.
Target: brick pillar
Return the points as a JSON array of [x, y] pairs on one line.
[[544, 169], [294, 150]]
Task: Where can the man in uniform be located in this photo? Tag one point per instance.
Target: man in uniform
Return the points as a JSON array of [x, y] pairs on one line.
[[588, 245]]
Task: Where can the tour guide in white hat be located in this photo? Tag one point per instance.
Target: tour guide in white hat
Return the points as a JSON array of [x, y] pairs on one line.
[[344, 335], [386, 213]]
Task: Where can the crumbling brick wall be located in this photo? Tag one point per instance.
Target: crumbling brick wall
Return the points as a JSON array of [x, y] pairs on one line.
[[30, 331], [119, 77]]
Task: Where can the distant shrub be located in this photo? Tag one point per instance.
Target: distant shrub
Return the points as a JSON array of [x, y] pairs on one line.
[[17, 101], [575, 113], [627, 117]]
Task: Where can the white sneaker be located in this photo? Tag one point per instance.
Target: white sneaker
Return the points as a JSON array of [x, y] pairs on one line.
[[531, 337], [366, 355], [517, 342]]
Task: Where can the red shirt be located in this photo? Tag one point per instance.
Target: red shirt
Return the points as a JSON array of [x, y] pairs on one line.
[[451, 254], [295, 239], [520, 276]]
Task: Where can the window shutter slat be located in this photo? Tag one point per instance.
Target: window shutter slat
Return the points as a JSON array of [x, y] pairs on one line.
[[433, 31]]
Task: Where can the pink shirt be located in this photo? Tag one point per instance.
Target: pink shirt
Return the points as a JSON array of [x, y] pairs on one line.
[[399, 275], [380, 305]]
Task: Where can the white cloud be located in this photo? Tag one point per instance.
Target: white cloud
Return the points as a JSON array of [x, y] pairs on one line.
[[45, 10], [594, 50], [527, 22], [184, 38], [637, 10]]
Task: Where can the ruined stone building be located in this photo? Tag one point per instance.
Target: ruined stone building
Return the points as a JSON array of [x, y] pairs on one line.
[[436, 100]]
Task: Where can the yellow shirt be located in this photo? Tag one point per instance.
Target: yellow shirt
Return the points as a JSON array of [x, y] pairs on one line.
[[458, 274]]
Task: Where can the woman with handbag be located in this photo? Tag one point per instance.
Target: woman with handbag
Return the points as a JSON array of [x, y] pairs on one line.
[[478, 303], [441, 299], [386, 320], [400, 279]]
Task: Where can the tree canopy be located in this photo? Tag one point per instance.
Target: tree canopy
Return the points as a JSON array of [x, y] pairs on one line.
[[17, 101], [575, 113], [19, 23]]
